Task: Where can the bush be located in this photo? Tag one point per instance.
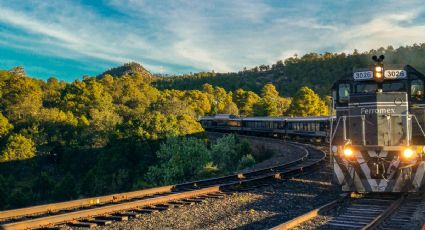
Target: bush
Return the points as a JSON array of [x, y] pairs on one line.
[[246, 161], [42, 186], [180, 159], [226, 153], [4, 193], [210, 170], [66, 189]]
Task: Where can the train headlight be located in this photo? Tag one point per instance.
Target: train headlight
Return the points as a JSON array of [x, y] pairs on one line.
[[348, 152], [378, 72], [408, 153]]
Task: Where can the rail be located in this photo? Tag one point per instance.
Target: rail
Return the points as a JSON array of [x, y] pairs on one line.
[[362, 213], [47, 215]]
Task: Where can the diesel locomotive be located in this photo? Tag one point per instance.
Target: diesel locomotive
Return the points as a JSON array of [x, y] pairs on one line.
[[378, 137]]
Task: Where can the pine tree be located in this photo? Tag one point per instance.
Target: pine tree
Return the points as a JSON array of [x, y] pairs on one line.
[[307, 103], [18, 147]]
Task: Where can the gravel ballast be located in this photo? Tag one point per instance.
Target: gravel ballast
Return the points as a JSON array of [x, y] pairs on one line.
[[260, 208]]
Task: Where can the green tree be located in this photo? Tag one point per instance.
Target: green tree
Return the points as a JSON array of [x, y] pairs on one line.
[[271, 104], [4, 192], [42, 186], [66, 188], [226, 153], [21, 96], [307, 103], [180, 159], [52, 90], [5, 126], [245, 100], [18, 147]]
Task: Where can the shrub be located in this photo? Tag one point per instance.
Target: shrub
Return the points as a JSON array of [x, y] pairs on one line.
[[246, 161]]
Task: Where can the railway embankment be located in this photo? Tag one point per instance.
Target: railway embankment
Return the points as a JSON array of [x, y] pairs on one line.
[[261, 198], [260, 208]]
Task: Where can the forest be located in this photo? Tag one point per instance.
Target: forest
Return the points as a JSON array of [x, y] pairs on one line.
[[316, 71], [116, 132], [127, 129]]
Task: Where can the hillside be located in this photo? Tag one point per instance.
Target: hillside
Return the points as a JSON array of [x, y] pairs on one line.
[[317, 71], [130, 69]]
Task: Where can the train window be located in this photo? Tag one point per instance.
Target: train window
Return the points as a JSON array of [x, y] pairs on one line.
[[417, 90], [344, 93], [393, 87], [366, 88]]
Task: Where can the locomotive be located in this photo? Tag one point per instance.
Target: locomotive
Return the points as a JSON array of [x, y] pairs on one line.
[[378, 137]]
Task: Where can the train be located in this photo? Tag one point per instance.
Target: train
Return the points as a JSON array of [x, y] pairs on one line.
[[313, 129], [376, 138]]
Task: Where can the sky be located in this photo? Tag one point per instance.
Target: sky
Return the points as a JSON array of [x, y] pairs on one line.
[[69, 39]]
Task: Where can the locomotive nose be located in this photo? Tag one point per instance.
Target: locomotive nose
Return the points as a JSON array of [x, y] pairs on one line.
[[379, 119]]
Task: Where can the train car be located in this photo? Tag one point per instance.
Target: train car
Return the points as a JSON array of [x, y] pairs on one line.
[[314, 129], [378, 138], [264, 126], [221, 123]]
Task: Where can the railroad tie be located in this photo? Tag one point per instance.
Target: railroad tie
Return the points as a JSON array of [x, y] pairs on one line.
[[82, 224], [146, 210], [98, 221], [129, 214], [112, 217]]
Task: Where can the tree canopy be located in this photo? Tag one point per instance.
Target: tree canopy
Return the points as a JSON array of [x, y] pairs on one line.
[[307, 103]]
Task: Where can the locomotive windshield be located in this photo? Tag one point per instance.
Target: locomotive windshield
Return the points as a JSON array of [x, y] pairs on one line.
[[417, 90], [371, 87]]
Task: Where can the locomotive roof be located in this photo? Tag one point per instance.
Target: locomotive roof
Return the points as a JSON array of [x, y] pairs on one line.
[[348, 76]]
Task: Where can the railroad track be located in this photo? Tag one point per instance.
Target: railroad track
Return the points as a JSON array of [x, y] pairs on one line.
[[104, 209], [373, 211]]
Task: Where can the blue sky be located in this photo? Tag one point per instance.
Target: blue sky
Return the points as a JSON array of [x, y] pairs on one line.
[[69, 39]]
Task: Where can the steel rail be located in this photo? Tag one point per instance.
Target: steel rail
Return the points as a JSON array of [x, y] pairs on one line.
[[82, 202], [329, 206], [386, 213], [277, 172], [86, 202], [238, 176], [67, 217], [309, 215]]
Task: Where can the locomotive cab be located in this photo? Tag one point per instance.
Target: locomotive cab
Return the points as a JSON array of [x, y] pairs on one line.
[[378, 136]]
